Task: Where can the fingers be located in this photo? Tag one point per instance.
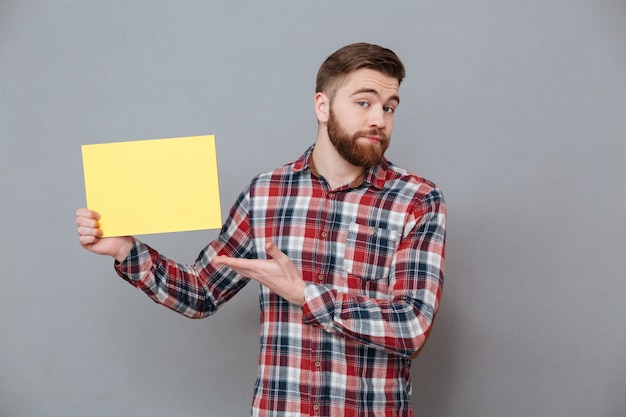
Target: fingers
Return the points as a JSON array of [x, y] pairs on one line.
[[280, 257], [86, 240], [221, 260], [86, 230], [87, 222], [277, 264], [242, 266], [237, 263], [88, 236], [87, 218], [88, 226], [279, 274], [85, 212], [272, 250]]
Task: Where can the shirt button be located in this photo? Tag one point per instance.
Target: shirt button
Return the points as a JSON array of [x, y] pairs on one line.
[[331, 195], [372, 232], [324, 235], [320, 277], [318, 364], [316, 407]]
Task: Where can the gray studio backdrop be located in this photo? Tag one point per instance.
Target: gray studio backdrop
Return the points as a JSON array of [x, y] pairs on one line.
[[517, 109]]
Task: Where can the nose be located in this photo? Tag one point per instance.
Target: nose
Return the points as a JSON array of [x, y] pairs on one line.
[[376, 117]]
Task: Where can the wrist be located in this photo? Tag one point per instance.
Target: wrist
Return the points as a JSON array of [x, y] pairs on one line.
[[124, 250]]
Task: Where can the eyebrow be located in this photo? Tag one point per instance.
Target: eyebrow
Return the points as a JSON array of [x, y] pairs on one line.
[[376, 93]]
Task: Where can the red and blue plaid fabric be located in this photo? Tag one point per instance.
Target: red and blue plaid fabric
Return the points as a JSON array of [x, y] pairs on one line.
[[372, 255]]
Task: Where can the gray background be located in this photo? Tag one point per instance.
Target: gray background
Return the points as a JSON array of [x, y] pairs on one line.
[[517, 109]]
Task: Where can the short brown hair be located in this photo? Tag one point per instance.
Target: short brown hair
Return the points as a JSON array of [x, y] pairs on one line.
[[353, 57]]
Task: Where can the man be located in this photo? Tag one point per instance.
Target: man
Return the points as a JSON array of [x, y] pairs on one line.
[[347, 247]]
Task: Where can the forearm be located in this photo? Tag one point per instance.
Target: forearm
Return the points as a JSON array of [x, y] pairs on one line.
[[190, 290], [197, 290], [399, 327]]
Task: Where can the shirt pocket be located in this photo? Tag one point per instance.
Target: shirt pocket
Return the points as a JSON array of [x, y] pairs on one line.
[[369, 251]]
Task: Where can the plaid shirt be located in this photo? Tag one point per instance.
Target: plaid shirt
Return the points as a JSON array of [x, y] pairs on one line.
[[372, 256]]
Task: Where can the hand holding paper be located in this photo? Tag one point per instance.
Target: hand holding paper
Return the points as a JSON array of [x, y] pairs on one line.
[[90, 236]]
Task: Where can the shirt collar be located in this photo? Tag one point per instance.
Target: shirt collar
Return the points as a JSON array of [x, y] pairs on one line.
[[374, 176]]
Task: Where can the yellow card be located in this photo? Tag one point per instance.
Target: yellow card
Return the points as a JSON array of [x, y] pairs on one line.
[[153, 186]]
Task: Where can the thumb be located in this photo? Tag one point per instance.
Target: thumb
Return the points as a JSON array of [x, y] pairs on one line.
[[272, 250]]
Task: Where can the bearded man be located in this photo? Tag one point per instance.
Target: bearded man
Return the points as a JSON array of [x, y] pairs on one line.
[[348, 250]]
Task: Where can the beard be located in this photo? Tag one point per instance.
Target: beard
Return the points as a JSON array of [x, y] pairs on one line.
[[358, 153]]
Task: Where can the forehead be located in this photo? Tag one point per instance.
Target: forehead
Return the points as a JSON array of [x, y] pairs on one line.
[[368, 79]]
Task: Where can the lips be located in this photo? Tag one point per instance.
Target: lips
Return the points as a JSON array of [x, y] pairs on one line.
[[371, 139], [374, 136]]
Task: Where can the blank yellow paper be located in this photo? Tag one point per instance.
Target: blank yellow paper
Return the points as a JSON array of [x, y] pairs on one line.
[[153, 186]]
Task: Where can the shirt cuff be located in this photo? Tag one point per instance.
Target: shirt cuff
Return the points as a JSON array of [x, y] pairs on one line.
[[128, 269], [319, 306]]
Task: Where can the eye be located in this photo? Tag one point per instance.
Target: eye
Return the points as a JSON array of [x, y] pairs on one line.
[[363, 103], [388, 109]]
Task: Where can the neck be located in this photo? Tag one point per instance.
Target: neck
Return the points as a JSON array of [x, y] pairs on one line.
[[330, 165]]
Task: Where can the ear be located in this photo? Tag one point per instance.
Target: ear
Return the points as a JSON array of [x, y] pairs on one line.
[[322, 107]]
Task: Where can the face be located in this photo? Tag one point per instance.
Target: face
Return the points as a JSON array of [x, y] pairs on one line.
[[360, 119]]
